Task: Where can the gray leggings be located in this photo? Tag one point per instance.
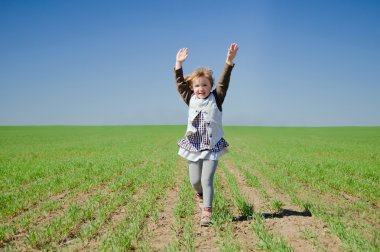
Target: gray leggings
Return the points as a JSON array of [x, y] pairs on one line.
[[202, 178]]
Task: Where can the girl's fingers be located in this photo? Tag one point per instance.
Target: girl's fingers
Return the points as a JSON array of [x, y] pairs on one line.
[[182, 53], [182, 50], [233, 48]]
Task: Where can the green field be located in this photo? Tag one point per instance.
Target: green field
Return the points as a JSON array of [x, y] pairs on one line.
[[125, 188]]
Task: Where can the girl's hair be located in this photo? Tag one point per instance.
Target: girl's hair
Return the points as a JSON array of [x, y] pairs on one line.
[[199, 72]]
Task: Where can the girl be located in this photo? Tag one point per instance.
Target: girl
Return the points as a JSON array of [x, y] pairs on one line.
[[203, 143]]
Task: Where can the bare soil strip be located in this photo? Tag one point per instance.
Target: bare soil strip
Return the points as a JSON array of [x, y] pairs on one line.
[[242, 231], [206, 238], [159, 231], [292, 223]]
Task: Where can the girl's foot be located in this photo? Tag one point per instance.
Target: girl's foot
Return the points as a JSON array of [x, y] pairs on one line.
[[206, 217]]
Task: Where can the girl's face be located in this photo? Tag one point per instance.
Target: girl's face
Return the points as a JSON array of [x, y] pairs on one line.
[[201, 87]]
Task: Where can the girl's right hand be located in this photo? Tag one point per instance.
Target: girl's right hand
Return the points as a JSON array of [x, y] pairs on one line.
[[182, 55], [232, 51]]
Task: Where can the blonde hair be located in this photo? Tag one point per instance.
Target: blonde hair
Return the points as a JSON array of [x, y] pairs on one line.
[[199, 72]]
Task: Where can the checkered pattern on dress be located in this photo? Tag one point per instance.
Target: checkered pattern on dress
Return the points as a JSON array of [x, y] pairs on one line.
[[199, 141]]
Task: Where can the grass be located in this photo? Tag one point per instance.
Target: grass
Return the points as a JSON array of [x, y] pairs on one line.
[[105, 164], [317, 167], [277, 205], [63, 186]]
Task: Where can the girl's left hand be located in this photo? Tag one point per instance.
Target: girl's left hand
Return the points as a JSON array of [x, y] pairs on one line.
[[232, 51]]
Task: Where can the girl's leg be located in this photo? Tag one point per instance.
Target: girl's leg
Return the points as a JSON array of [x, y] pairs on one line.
[[195, 171], [208, 171]]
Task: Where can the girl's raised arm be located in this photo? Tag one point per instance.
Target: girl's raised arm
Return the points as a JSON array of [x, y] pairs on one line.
[[182, 86], [224, 79], [181, 57]]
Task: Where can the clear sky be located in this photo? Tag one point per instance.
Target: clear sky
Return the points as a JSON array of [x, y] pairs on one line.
[[300, 63]]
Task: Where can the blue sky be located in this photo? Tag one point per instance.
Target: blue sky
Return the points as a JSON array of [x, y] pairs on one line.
[[300, 63]]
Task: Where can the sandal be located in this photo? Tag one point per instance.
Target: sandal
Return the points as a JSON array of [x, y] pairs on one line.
[[206, 217]]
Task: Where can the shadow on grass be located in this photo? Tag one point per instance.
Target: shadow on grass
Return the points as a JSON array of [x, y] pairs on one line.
[[280, 214]]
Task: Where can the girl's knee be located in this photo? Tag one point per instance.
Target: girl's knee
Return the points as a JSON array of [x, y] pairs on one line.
[[196, 183], [207, 182]]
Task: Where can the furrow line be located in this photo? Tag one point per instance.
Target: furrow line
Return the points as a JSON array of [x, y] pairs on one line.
[[241, 221]]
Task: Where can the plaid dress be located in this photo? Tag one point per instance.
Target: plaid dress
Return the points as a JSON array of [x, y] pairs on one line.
[[199, 141]]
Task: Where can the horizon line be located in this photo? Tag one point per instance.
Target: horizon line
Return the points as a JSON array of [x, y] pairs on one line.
[[184, 125]]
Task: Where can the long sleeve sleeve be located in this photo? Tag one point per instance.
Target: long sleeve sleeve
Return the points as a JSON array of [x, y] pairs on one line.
[[182, 87], [220, 91]]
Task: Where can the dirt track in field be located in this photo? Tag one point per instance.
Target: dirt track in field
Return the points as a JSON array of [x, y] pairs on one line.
[[159, 232], [246, 238]]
